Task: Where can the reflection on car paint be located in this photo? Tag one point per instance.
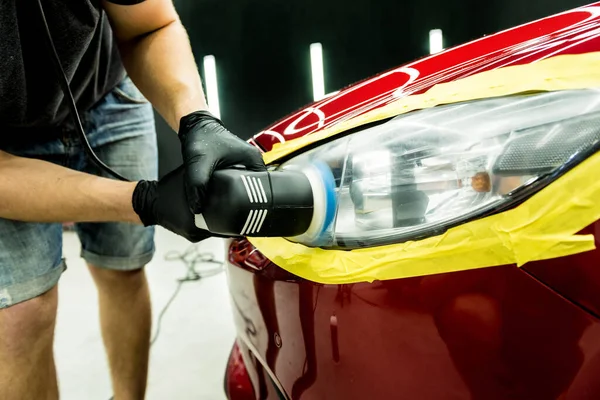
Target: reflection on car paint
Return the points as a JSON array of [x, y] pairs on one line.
[[493, 333], [571, 32]]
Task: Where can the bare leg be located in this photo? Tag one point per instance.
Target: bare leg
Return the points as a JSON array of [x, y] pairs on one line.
[[27, 368], [125, 318]]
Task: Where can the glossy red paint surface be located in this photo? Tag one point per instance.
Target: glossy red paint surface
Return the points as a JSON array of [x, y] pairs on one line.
[[572, 32], [578, 279], [530, 333], [494, 333]]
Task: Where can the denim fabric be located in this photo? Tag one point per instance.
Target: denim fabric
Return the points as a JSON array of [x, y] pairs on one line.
[[120, 129]]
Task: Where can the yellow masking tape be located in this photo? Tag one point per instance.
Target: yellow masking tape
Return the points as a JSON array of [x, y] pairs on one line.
[[557, 73], [543, 227]]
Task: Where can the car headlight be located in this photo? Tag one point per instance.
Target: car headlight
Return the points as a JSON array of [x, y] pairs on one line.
[[421, 173]]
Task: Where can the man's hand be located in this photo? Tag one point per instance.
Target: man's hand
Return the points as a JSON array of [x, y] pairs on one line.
[[207, 146], [164, 203]]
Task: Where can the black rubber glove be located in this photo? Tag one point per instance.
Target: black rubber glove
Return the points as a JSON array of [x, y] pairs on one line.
[[164, 203], [207, 146]]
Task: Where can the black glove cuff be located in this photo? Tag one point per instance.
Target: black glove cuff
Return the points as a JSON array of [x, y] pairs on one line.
[[143, 200], [189, 121]]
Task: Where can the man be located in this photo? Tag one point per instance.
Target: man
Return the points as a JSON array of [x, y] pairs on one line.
[[108, 49]]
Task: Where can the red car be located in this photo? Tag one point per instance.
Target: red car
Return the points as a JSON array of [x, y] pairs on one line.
[[463, 261]]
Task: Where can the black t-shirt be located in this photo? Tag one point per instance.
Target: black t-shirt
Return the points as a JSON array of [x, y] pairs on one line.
[[31, 98]]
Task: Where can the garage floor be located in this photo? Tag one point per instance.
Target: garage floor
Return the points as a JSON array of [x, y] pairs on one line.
[[189, 357]]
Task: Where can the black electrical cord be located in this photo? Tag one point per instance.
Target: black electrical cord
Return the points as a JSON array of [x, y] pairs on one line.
[[164, 311], [185, 256], [64, 82], [190, 258]]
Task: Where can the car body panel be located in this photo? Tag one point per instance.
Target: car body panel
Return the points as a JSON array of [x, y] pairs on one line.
[[578, 280], [572, 32], [491, 333]]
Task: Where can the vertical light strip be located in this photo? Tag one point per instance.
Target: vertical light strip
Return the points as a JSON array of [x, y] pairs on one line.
[[436, 41], [212, 88], [318, 77]]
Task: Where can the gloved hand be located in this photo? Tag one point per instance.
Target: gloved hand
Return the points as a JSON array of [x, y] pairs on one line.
[[164, 203], [206, 146]]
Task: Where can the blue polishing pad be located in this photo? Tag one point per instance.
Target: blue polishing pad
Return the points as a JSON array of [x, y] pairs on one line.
[[330, 205]]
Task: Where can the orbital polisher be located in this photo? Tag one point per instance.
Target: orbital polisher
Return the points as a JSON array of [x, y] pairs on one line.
[[298, 203]]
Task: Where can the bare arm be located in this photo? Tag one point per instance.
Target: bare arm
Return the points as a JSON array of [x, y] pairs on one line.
[[158, 57], [39, 191]]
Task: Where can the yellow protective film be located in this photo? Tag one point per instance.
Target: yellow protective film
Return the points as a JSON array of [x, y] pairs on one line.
[[557, 73], [545, 226]]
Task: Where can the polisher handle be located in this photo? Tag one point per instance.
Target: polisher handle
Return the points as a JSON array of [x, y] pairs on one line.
[[259, 204]]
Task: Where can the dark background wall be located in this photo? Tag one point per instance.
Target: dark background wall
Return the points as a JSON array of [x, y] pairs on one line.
[[262, 46]]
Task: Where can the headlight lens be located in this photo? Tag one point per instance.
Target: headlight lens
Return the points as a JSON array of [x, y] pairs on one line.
[[420, 173]]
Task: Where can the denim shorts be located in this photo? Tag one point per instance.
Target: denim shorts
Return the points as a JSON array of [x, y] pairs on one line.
[[120, 129]]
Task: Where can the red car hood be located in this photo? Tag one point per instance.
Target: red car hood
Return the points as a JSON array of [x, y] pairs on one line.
[[572, 32]]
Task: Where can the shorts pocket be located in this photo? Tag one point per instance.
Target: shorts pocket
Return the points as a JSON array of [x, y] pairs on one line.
[[127, 92]]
